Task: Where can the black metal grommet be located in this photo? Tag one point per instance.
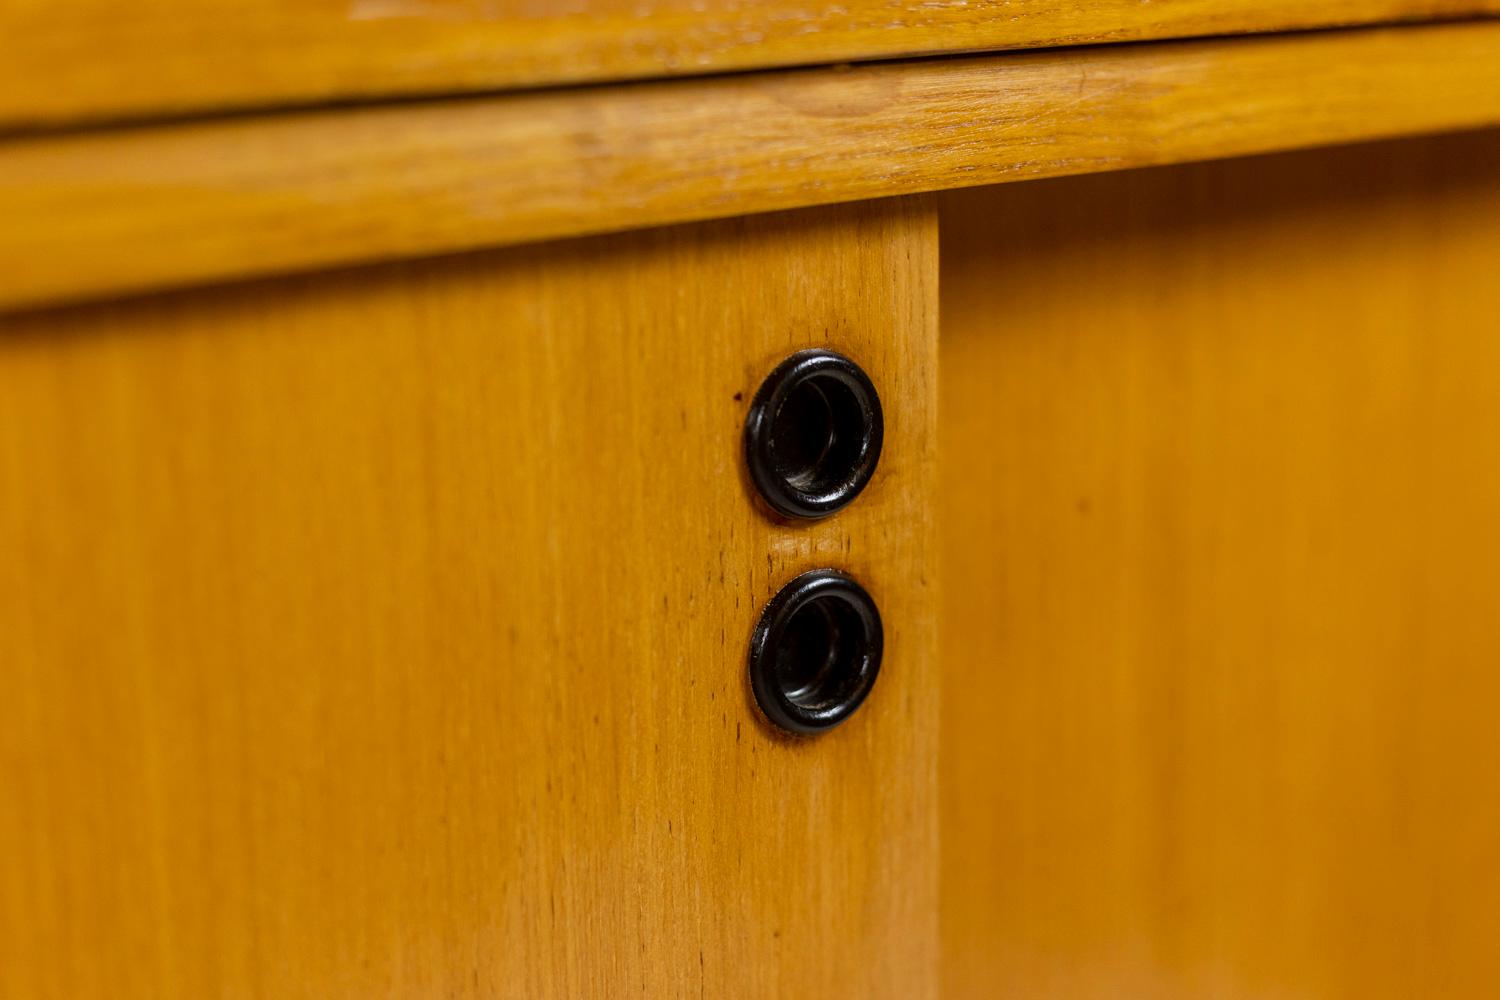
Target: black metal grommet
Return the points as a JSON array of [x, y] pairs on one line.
[[813, 434], [815, 653]]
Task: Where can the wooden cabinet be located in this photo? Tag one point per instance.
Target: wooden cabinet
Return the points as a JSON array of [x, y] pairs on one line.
[[378, 559]]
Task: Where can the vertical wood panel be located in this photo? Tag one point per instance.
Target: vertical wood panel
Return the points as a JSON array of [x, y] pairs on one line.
[[383, 633], [1221, 555]]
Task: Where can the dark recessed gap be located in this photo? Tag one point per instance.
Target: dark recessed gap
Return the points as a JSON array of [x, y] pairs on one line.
[[819, 657], [817, 435]]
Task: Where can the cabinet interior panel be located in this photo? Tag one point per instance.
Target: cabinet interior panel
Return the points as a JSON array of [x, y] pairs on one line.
[[1220, 555]]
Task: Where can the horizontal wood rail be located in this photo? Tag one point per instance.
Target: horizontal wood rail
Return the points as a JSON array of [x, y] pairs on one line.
[[154, 207], [87, 60]]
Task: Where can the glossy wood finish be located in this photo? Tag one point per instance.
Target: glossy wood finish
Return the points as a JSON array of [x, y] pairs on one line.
[[383, 633], [94, 214], [99, 59], [1220, 560]]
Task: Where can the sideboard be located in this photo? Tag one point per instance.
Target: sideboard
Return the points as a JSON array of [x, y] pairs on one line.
[[386, 560]]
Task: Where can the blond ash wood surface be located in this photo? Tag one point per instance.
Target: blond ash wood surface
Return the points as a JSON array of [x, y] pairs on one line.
[[104, 213], [1220, 473], [383, 633], [97, 59]]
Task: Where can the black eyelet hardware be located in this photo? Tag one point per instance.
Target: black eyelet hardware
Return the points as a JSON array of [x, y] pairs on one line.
[[815, 653], [813, 434]]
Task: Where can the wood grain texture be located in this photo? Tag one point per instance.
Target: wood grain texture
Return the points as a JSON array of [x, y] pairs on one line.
[[96, 214], [94, 59], [1220, 472], [383, 633]]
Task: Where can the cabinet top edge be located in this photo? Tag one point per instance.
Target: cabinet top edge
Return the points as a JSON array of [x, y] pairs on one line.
[[93, 61], [95, 214]]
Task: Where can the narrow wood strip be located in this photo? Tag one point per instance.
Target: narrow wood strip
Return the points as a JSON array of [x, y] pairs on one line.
[[153, 207], [87, 59]]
